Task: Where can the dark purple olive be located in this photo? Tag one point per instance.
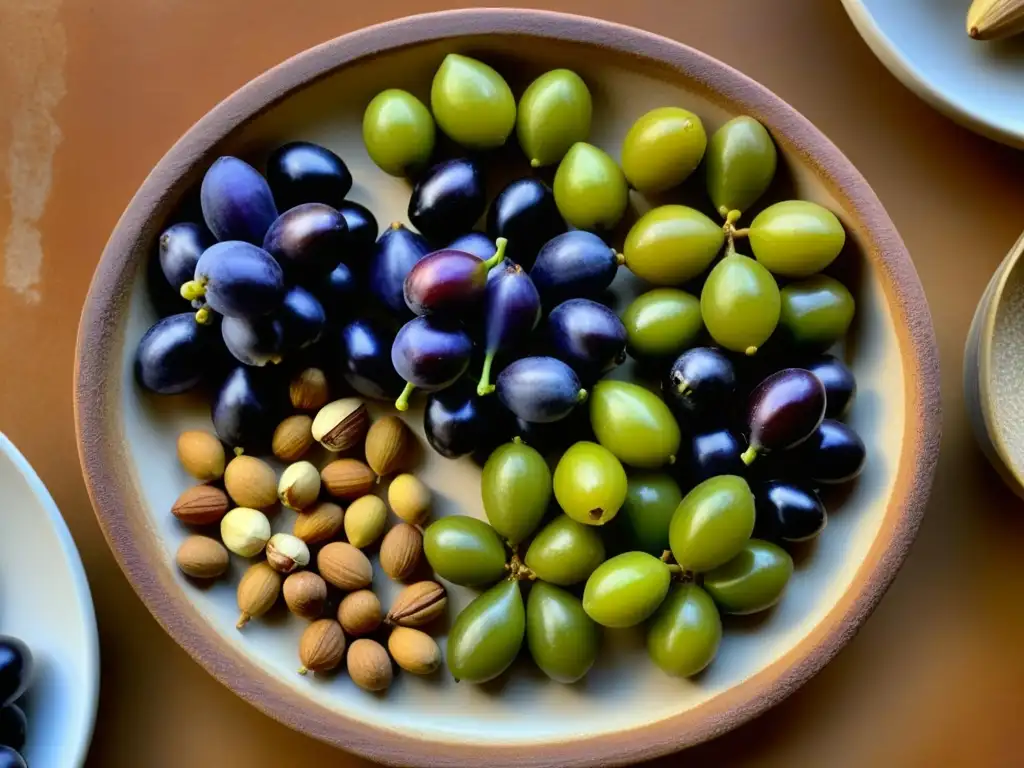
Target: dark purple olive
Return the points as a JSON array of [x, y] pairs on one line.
[[16, 667], [833, 454], [840, 385], [540, 389], [574, 265], [237, 279], [338, 292], [237, 202], [302, 318], [429, 354], [308, 240], [173, 355], [181, 245], [9, 758], [788, 512], [783, 411], [458, 422], [248, 407], [449, 282], [13, 726], [303, 172], [555, 436], [448, 199], [511, 312], [588, 336], [700, 385], [712, 454], [366, 361], [362, 233], [477, 243], [525, 214], [397, 251], [258, 341]]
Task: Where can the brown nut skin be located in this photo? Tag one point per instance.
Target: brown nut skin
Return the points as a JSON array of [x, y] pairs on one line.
[[201, 505], [347, 479], [319, 523], [401, 551], [388, 445], [344, 566], [359, 613], [418, 605], [202, 558], [251, 482], [308, 390], [202, 455], [321, 647], [257, 592], [341, 424], [369, 665], [293, 438], [305, 594]]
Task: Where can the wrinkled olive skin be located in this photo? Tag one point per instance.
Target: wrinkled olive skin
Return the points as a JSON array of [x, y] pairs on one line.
[[816, 312], [634, 424], [465, 551], [660, 324], [685, 632], [672, 244], [752, 581], [554, 113], [796, 238], [486, 637], [565, 552], [516, 486], [626, 589], [712, 523], [590, 190], [645, 517], [662, 148], [562, 639], [740, 164]]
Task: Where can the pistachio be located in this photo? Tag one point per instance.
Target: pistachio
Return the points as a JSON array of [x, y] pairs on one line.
[[388, 445], [360, 613], [245, 531], [347, 478], [287, 553], [342, 424], [414, 651], [369, 665], [319, 523], [201, 454], [305, 594], [251, 482], [201, 505], [401, 551], [365, 521], [299, 486], [344, 566], [202, 557], [308, 390], [257, 592], [409, 499], [321, 646], [418, 604], [293, 438]]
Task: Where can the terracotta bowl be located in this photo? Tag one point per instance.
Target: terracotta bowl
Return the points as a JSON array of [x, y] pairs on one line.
[[626, 709]]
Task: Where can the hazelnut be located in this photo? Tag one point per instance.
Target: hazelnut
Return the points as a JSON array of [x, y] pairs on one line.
[[245, 531]]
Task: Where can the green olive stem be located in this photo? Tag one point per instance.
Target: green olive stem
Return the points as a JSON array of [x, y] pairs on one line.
[[750, 351], [402, 403], [534, 162], [749, 455], [620, 258], [485, 387], [518, 440], [674, 568], [499, 255], [239, 450], [204, 316], [582, 395], [666, 556], [193, 289], [742, 232]]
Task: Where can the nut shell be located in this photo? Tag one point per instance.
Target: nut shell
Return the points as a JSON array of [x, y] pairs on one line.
[[321, 646], [409, 498], [257, 592], [347, 478], [401, 551], [251, 482], [201, 454], [342, 424], [305, 594], [344, 566], [388, 445], [418, 605], [414, 651], [369, 665], [308, 390], [299, 486], [201, 505], [319, 523], [293, 438], [202, 557], [360, 613], [365, 521]]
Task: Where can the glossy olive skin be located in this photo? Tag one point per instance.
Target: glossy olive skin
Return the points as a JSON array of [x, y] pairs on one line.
[[173, 355], [516, 489], [752, 581], [816, 312], [240, 280], [464, 551], [486, 637], [397, 251], [237, 202], [740, 304], [303, 319], [788, 512], [525, 214], [783, 411], [448, 199], [308, 240], [303, 172], [448, 283], [839, 382], [573, 265], [565, 552], [180, 247], [740, 164], [430, 354], [712, 523], [796, 238], [554, 113], [634, 424], [590, 483], [458, 422], [16, 667], [590, 190], [13, 726], [540, 389], [700, 386], [398, 131], [685, 633], [512, 309], [476, 243], [562, 639], [338, 291], [643, 521], [472, 103], [366, 360], [626, 589], [672, 244], [662, 148], [588, 336], [713, 453], [253, 342], [662, 323], [362, 233], [247, 408], [9, 758], [833, 454]]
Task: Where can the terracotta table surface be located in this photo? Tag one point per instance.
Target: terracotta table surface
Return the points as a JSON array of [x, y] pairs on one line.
[[93, 93]]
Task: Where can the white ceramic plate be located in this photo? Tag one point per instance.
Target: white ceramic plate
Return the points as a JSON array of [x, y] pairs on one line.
[[45, 601], [925, 44]]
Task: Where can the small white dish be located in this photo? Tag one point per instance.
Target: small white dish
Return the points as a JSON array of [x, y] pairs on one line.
[[924, 43], [45, 601]]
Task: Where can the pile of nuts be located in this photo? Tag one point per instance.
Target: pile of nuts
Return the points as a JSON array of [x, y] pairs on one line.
[[324, 580]]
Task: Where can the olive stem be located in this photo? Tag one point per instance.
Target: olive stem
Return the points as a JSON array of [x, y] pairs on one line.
[[485, 387], [750, 351], [674, 568], [749, 455], [581, 396], [518, 440], [193, 289], [620, 258], [402, 403], [666, 556], [499, 255], [534, 162], [742, 232], [203, 316]]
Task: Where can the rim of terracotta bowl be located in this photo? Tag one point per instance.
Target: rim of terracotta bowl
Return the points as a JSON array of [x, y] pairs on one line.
[[103, 450]]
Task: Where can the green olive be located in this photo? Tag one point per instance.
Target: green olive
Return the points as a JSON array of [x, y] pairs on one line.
[[712, 523], [590, 190], [740, 304], [816, 312], [672, 244], [662, 324], [562, 639], [685, 633], [590, 483], [554, 113], [565, 552], [634, 424], [464, 551], [752, 581], [398, 132], [643, 521], [796, 238], [486, 637], [472, 103], [625, 590], [516, 486], [662, 148], [741, 160]]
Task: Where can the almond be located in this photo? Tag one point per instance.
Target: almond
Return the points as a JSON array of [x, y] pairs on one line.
[[388, 445], [418, 604], [414, 651], [292, 438], [401, 551], [369, 665], [321, 646], [409, 499], [344, 566], [251, 482], [257, 592], [319, 523], [202, 557], [305, 594], [201, 454], [365, 521], [201, 505], [359, 613], [347, 478], [308, 390]]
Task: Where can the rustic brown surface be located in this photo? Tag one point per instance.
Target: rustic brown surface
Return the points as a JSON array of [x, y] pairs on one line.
[[95, 94]]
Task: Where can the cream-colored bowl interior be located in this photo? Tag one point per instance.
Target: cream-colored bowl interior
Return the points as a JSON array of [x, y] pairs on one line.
[[625, 690]]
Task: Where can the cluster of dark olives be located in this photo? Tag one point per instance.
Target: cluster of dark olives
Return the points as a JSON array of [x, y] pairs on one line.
[[15, 677]]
